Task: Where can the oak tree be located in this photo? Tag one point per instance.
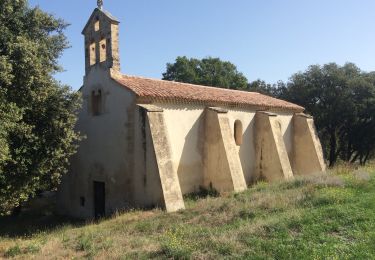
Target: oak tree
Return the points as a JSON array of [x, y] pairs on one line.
[[208, 72], [37, 113]]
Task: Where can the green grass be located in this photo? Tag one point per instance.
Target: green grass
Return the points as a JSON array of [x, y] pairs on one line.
[[321, 217]]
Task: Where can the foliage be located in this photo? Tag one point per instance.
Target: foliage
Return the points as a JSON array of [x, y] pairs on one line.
[[9, 116], [207, 72], [330, 216], [265, 88], [13, 251], [37, 114]]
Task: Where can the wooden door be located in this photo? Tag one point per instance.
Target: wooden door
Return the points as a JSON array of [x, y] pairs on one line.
[[99, 199]]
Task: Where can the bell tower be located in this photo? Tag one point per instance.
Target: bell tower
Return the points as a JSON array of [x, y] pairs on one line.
[[101, 35]]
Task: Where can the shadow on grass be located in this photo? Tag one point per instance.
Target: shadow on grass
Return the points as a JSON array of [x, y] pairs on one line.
[[30, 223], [201, 194]]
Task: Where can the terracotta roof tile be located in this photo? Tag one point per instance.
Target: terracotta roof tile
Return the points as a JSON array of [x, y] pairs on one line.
[[161, 90]]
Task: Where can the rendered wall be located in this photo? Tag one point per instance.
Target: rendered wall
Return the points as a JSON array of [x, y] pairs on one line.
[[102, 155], [186, 131], [186, 128], [247, 149]]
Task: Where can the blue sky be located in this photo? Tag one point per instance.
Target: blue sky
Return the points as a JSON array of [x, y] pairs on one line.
[[266, 39]]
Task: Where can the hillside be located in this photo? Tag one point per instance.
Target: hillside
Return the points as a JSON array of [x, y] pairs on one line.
[[320, 217]]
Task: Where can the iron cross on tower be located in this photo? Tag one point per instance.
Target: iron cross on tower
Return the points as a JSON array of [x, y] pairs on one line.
[[100, 4]]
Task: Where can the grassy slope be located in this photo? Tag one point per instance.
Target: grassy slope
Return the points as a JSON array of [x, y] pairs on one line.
[[322, 217]]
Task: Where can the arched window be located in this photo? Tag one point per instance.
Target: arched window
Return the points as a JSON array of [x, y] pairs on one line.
[[238, 132]]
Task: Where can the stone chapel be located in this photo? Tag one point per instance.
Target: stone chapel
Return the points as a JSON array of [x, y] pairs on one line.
[[149, 142]]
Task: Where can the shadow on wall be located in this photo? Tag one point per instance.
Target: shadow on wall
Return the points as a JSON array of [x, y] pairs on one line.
[[247, 153], [190, 165], [288, 139]]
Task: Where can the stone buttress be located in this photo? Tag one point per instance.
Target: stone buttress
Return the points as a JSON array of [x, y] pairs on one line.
[[171, 190], [307, 150], [222, 165], [272, 161]]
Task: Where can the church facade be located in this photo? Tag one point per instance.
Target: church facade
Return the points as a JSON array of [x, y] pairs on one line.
[[149, 142]]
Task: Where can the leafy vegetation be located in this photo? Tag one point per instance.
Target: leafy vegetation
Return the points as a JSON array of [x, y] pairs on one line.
[[328, 216], [37, 114], [208, 72]]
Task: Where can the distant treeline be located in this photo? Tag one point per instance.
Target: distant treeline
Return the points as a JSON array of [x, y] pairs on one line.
[[340, 98]]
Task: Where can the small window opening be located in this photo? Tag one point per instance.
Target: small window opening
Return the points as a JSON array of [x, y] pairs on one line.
[[103, 50], [96, 103], [82, 201], [238, 132], [97, 24], [92, 54]]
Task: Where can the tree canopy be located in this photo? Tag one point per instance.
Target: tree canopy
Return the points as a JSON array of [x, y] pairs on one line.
[[208, 72], [37, 113]]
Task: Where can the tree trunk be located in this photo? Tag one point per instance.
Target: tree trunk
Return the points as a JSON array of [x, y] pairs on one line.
[[366, 157], [355, 158], [332, 149], [349, 152], [361, 159]]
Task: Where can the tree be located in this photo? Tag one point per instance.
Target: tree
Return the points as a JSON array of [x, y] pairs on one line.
[[208, 72], [260, 86], [358, 137], [37, 113]]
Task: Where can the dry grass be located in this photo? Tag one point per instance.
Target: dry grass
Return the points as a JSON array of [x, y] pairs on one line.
[[319, 217]]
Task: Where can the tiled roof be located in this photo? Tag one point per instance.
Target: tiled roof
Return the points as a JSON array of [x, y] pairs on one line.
[[160, 90]]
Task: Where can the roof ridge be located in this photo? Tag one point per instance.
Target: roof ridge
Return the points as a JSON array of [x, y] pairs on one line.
[[188, 84], [158, 89]]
